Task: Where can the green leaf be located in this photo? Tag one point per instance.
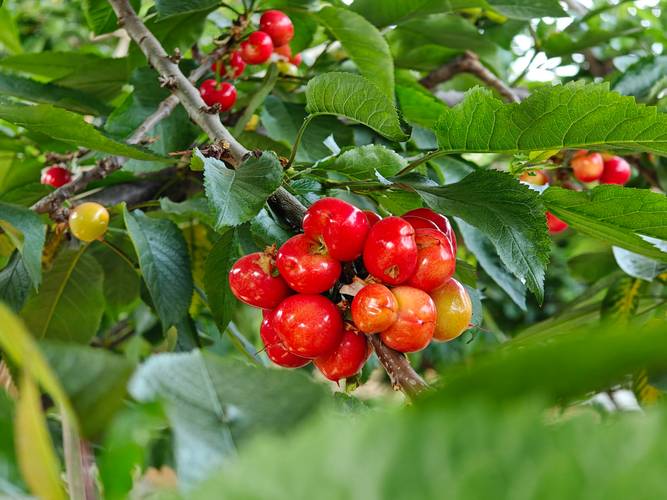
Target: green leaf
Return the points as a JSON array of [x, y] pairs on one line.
[[638, 266], [70, 303], [253, 140], [564, 116], [364, 44], [165, 264], [221, 258], [214, 403], [167, 8], [236, 196], [528, 9], [27, 231], [11, 482], [624, 217], [354, 97], [508, 213], [418, 105], [94, 380], [9, 33], [70, 128], [57, 65], [15, 283], [638, 80], [48, 93], [101, 17], [365, 161], [121, 280]]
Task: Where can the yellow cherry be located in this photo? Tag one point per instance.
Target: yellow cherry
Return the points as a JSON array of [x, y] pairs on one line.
[[88, 221]]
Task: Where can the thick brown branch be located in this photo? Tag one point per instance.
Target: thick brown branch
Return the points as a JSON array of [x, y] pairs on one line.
[[398, 368], [469, 62]]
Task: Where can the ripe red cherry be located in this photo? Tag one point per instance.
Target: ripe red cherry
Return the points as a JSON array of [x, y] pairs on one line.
[[554, 224], [254, 279], [306, 265], [278, 26], [537, 178], [420, 222], [274, 348], [372, 217], [342, 227], [439, 220], [309, 325], [454, 309], [223, 93], [257, 48], [236, 63], [616, 171], [55, 176], [284, 51], [296, 59], [390, 253], [374, 309], [346, 359], [413, 330], [587, 167], [436, 262]]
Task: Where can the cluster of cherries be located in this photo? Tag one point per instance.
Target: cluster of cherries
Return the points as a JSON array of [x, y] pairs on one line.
[[397, 269], [586, 167], [276, 31]]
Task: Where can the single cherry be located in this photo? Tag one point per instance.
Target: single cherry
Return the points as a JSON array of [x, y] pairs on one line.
[[536, 178], [372, 217], [587, 167], [420, 222], [284, 51], [296, 59], [309, 325], [257, 48], [347, 359], [436, 262], [55, 176], [390, 253], [235, 62], [278, 26], [616, 171], [274, 348], [88, 221], [454, 309], [342, 227], [554, 224], [413, 330], [221, 93], [254, 279], [306, 266], [374, 308], [439, 220]]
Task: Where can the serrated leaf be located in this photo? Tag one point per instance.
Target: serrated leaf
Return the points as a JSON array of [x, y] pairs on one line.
[[236, 196], [364, 44], [418, 105], [167, 8], [30, 239], [15, 283], [221, 258], [616, 215], [70, 303], [69, 127], [354, 97], [363, 162], [101, 17], [575, 115], [507, 212], [165, 264], [213, 403]]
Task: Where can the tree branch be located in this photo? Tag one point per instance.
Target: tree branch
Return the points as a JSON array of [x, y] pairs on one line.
[[468, 62], [398, 368]]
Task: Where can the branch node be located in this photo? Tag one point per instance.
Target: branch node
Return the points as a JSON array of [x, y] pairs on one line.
[[168, 82], [176, 56]]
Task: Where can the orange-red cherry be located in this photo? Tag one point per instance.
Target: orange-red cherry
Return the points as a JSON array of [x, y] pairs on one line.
[[374, 308], [414, 328], [439, 220], [347, 359], [587, 167], [554, 224], [436, 262]]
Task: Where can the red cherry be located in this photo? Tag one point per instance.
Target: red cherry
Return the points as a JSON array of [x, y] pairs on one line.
[[278, 26], [554, 224], [342, 227], [309, 325], [274, 348], [236, 63], [413, 330], [257, 48], [436, 262], [616, 171], [296, 60], [55, 176], [587, 167], [372, 217], [306, 266], [254, 279], [374, 308], [347, 358], [536, 178], [420, 222], [439, 220], [223, 93], [390, 253], [285, 51]]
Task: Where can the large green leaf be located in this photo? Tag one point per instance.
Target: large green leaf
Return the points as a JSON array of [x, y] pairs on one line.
[[57, 65], [15, 283], [639, 79], [236, 196], [418, 105], [213, 403], [69, 304], [9, 33], [356, 98], [564, 116], [121, 280], [48, 93], [165, 264], [101, 17], [624, 217], [509, 213], [70, 128], [223, 255], [167, 8], [364, 44], [27, 232], [366, 162]]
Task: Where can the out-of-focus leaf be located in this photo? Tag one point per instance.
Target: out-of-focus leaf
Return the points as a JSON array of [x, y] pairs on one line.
[[9, 33], [638, 266], [11, 482], [167, 8], [27, 232], [639, 79]]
